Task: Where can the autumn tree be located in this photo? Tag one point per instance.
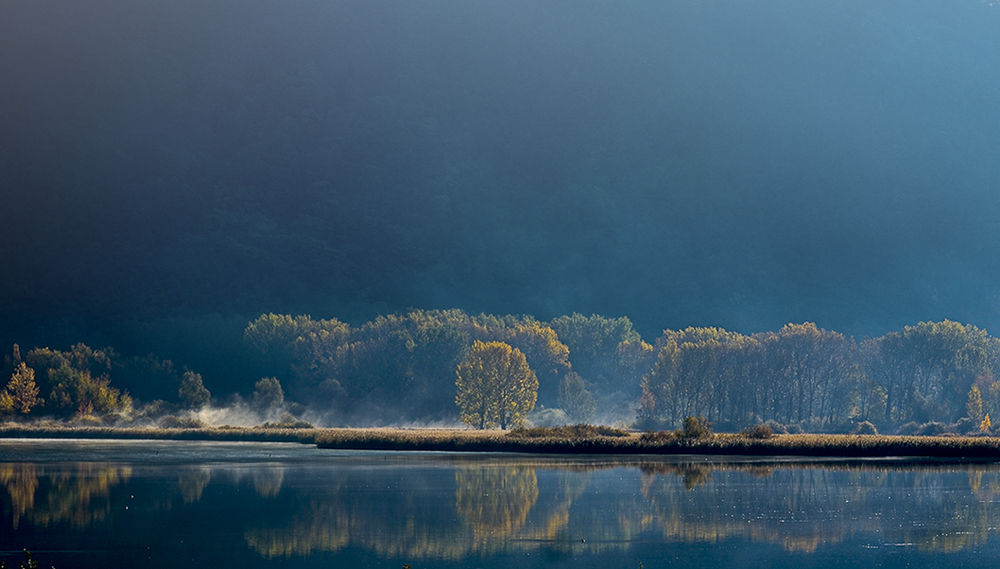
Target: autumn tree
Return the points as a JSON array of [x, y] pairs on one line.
[[495, 386], [21, 394], [539, 343], [635, 359]]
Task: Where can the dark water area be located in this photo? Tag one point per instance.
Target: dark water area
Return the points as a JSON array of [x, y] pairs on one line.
[[168, 504]]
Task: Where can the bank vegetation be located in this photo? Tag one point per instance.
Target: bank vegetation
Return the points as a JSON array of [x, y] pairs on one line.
[[578, 439]]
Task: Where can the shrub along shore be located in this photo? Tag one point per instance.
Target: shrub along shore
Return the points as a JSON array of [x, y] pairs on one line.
[[582, 439]]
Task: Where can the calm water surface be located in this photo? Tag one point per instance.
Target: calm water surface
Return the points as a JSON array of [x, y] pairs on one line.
[[173, 504]]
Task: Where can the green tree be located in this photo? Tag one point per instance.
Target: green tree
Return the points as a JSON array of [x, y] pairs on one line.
[[80, 359], [594, 343], [575, 399], [78, 382], [268, 394], [192, 391], [80, 393], [818, 373], [927, 370], [697, 371], [974, 405], [495, 386], [296, 348]]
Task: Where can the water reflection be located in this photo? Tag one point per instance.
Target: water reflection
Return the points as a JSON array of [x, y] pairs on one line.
[[267, 481], [316, 527], [495, 502], [935, 508], [451, 508], [192, 483], [43, 496], [507, 508]]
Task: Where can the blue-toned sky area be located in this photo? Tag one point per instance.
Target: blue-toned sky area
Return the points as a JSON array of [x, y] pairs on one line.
[[172, 169]]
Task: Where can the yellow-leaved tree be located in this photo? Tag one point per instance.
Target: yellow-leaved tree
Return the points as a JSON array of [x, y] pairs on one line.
[[495, 386], [21, 393]]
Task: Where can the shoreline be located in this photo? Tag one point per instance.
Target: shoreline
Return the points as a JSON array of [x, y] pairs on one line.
[[471, 441]]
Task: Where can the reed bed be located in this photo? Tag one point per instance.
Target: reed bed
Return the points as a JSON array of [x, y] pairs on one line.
[[574, 440], [235, 434], [847, 446]]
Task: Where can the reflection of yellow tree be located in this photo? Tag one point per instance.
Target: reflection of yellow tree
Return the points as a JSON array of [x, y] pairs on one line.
[[969, 529], [319, 528], [799, 507], [80, 498], [555, 516], [21, 481], [495, 501], [192, 483], [559, 527], [267, 481], [975, 480], [572, 487], [335, 519]]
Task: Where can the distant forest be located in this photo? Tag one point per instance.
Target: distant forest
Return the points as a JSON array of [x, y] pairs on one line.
[[401, 369]]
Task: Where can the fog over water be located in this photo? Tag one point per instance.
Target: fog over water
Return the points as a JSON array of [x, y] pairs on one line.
[[170, 170]]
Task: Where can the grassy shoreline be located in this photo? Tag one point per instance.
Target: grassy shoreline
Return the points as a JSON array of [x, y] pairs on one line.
[[233, 434], [460, 440], [831, 446]]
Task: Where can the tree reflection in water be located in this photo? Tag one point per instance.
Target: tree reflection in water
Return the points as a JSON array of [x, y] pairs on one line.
[[267, 481], [20, 481], [454, 508], [192, 482], [495, 501], [45, 497]]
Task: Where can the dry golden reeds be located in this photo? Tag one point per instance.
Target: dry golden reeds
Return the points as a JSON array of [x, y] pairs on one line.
[[568, 440]]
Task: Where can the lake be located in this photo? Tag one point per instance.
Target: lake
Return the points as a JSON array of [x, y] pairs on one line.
[[81, 504]]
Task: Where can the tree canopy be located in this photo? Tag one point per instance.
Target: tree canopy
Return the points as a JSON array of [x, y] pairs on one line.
[[495, 386]]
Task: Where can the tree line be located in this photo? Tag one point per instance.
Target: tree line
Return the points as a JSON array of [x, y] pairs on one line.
[[933, 372], [449, 365], [801, 375]]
